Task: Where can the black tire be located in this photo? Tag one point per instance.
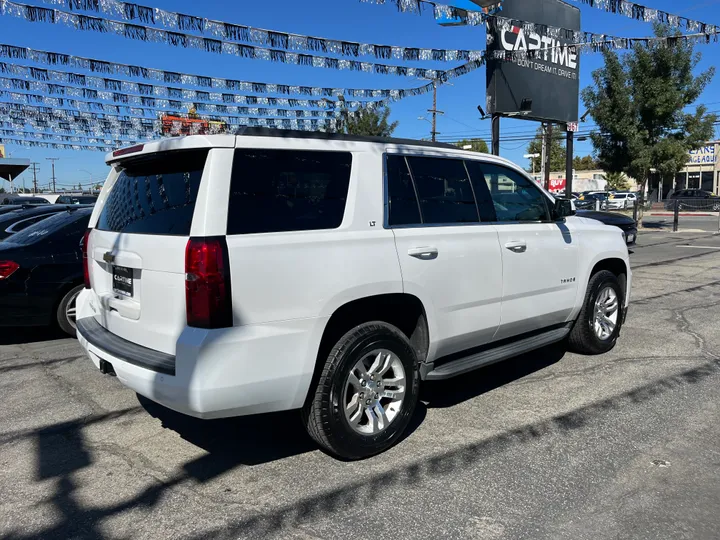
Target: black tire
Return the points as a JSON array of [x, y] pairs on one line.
[[61, 315], [324, 415], [583, 338]]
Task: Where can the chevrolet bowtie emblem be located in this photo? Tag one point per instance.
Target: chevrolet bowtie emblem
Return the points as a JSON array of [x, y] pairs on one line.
[[109, 257]]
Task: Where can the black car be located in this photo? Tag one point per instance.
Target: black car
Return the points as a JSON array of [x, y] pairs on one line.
[[17, 199], [588, 201], [694, 199], [22, 217], [626, 223], [41, 272], [76, 199]]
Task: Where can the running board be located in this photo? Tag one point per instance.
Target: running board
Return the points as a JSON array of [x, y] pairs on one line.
[[497, 354]]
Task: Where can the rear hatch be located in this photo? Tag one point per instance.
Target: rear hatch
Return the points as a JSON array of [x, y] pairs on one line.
[[137, 247]]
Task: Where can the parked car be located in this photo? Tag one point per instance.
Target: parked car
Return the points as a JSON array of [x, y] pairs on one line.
[[24, 200], [694, 199], [20, 218], [76, 199], [332, 273], [41, 272], [621, 200], [588, 201], [625, 223]]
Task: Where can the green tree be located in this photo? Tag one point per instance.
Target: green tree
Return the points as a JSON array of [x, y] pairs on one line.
[[616, 181], [478, 145], [557, 151], [585, 163], [2, 190], [639, 103], [373, 123]]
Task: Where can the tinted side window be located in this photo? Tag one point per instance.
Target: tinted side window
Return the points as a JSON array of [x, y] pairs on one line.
[[482, 191], [444, 190], [287, 190], [515, 197], [403, 204], [155, 194]]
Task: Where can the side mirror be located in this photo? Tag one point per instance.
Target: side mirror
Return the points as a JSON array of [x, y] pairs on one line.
[[562, 209]]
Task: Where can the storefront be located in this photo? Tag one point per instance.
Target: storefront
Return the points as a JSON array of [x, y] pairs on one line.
[[702, 170]]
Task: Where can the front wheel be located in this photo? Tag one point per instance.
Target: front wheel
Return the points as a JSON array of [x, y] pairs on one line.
[[66, 314], [598, 325], [366, 394]]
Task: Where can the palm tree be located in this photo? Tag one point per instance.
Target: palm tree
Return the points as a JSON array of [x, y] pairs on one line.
[[616, 181]]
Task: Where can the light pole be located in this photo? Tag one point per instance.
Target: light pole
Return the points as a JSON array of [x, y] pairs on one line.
[[532, 158]]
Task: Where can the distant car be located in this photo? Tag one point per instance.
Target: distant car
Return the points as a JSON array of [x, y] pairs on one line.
[[41, 272], [587, 202], [20, 218], [621, 200], [17, 199], [626, 223], [694, 199], [76, 199]]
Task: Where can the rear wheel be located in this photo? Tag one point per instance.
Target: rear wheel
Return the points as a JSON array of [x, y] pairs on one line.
[[366, 394], [598, 325], [66, 311]]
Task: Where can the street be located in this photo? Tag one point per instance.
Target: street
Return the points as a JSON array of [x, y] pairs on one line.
[[685, 223], [548, 445]]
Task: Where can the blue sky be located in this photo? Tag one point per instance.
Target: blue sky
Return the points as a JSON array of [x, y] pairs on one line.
[[337, 19]]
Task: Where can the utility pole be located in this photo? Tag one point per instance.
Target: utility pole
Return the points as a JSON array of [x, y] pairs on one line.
[[543, 152], [53, 160], [434, 112], [548, 152], [35, 170]]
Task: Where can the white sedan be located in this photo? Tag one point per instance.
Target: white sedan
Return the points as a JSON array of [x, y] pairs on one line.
[[621, 200]]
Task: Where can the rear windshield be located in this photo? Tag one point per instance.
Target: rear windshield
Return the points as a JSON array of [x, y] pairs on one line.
[[155, 194], [53, 226], [287, 190]]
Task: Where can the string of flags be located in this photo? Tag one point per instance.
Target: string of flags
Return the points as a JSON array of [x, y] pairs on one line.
[[138, 105], [174, 21], [57, 146], [138, 93], [172, 77], [29, 135], [184, 40], [442, 11]]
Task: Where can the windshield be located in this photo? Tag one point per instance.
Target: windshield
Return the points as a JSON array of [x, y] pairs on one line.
[[52, 226]]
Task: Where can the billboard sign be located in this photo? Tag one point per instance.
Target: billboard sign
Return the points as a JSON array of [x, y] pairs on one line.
[[703, 155], [546, 83]]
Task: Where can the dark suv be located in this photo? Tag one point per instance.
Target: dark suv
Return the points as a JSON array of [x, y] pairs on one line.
[[694, 199]]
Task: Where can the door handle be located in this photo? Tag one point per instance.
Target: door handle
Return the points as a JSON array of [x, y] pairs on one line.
[[516, 246], [425, 253]]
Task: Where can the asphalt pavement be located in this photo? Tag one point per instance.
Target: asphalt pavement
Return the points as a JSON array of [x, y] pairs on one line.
[[548, 445], [685, 223]]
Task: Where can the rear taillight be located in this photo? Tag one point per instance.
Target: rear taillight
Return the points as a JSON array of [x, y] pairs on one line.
[[7, 268], [207, 283], [86, 261]]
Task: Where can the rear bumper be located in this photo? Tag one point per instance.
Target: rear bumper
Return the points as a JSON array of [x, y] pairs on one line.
[[219, 373]]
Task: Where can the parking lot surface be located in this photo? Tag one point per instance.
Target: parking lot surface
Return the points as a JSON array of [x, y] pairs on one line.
[[548, 445]]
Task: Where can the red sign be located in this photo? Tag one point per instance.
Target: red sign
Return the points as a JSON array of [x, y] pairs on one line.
[[557, 184], [572, 126]]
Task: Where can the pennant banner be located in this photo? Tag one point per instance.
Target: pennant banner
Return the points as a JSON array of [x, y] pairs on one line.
[[646, 14], [172, 77], [178, 39], [138, 105], [441, 11], [248, 34], [81, 126], [63, 114], [8, 141], [143, 91], [33, 135]]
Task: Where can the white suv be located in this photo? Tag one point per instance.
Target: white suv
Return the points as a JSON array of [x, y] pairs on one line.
[[231, 275]]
